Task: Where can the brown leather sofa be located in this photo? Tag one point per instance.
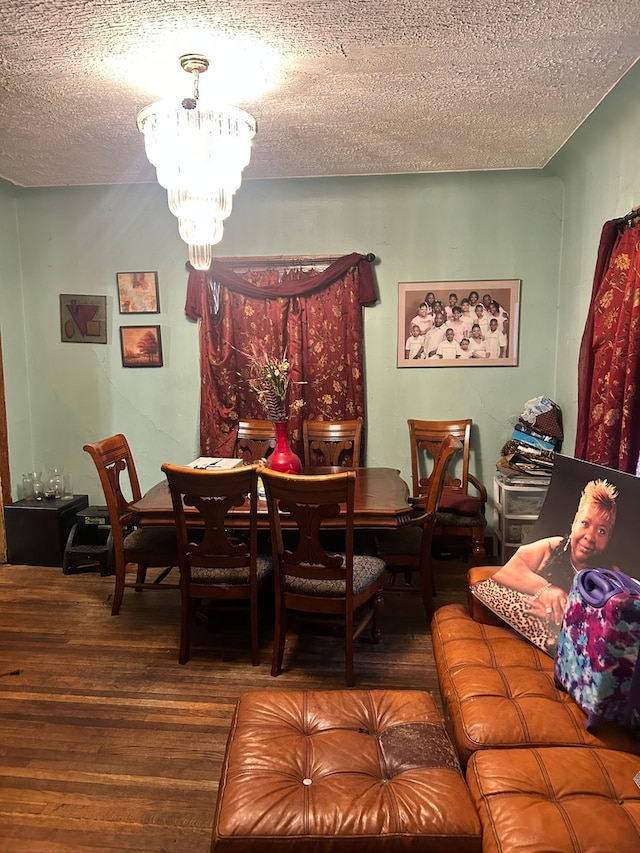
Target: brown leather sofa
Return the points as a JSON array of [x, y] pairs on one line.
[[539, 780], [360, 770]]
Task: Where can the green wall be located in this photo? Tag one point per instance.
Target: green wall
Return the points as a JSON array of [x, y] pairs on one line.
[[422, 228]]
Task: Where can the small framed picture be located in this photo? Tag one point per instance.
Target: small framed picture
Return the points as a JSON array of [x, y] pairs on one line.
[[141, 346], [138, 292], [83, 319], [458, 323]]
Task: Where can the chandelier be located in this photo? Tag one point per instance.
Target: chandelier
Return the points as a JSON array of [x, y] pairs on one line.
[[199, 151]]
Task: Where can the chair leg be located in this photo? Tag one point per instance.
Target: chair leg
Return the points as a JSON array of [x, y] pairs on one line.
[[141, 574], [280, 632], [427, 589], [377, 603], [187, 616], [479, 551], [118, 592], [348, 649], [253, 618]]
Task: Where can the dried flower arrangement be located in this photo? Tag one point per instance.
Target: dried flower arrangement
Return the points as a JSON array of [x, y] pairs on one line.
[[270, 382]]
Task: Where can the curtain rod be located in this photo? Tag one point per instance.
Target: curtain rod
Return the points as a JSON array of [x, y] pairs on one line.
[[283, 260]]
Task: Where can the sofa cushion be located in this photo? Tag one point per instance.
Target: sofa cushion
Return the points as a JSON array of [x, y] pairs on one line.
[[498, 690], [556, 798]]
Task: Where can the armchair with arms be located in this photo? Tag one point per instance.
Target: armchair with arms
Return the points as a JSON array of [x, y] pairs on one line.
[[461, 510]]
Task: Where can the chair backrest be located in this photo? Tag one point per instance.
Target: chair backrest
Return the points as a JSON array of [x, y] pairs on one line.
[[426, 438], [429, 500], [255, 440], [332, 443], [116, 469], [210, 495], [310, 502]]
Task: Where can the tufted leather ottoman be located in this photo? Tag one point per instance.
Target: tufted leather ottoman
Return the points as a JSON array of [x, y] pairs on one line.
[[339, 771], [565, 799]]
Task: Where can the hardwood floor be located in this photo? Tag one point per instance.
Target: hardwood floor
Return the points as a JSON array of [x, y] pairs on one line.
[[108, 744]]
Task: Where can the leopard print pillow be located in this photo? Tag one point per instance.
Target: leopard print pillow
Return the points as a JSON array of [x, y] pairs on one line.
[[513, 607]]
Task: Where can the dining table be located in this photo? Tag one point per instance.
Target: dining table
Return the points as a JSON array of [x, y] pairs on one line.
[[381, 502]]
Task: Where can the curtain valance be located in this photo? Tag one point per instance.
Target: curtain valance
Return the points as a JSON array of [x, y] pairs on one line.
[[302, 286]]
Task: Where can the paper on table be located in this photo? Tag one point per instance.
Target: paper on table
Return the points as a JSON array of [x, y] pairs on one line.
[[208, 462]]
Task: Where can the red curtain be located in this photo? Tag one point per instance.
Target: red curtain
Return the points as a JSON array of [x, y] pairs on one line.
[[315, 316], [608, 431]]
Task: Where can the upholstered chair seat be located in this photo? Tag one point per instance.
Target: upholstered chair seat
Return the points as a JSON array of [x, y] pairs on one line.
[[235, 575], [366, 570]]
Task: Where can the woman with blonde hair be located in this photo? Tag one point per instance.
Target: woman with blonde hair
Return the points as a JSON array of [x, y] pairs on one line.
[[544, 569]]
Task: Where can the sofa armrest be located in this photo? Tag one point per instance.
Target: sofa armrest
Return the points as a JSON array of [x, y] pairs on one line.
[[478, 611], [481, 573]]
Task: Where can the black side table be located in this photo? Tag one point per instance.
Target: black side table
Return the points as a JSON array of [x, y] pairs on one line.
[[37, 531]]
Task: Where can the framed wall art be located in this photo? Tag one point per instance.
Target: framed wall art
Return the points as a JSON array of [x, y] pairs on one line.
[[138, 292], [458, 323], [141, 346], [83, 319]]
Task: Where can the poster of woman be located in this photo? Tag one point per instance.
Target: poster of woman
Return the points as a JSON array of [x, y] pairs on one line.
[[587, 521]]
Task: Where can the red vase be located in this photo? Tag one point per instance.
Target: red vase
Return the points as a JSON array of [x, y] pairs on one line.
[[283, 458]]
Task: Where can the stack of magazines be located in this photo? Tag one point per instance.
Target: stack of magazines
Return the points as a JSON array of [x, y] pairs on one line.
[[526, 459]]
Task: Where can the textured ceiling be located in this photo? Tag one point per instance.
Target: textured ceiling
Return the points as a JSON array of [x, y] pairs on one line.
[[349, 88]]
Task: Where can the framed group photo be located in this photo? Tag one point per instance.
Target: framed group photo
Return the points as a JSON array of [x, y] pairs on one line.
[[458, 323], [138, 292], [141, 346]]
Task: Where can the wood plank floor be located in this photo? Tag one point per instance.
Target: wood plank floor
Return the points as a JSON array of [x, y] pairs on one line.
[[108, 744]]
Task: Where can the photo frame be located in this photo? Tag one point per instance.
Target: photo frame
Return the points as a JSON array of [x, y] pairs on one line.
[[432, 346], [83, 319], [141, 346], [138, 292]]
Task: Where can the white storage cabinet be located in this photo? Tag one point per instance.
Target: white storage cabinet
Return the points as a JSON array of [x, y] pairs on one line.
[[516, 507]]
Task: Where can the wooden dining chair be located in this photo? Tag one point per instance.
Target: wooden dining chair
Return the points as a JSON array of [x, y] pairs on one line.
[[461, 510], [214, 563], [255, 440], [147, 547], [308, 579], [332, 443], [409, 549]]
